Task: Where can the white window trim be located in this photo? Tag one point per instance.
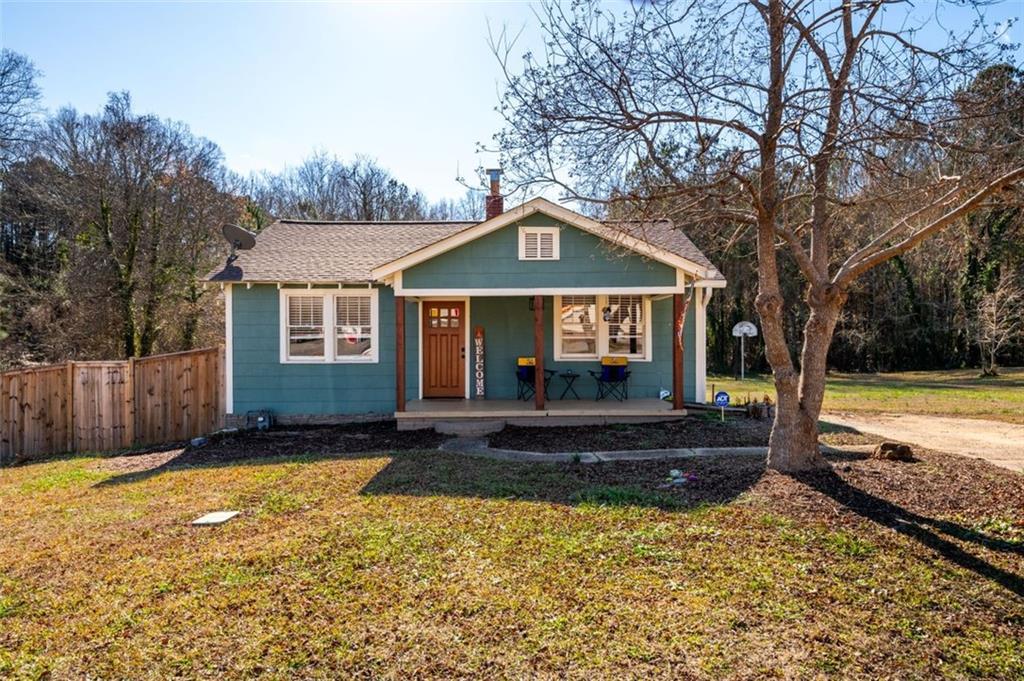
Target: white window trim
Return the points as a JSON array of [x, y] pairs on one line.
[[602, 334], [557, 322], [555, 246], [330, 332]]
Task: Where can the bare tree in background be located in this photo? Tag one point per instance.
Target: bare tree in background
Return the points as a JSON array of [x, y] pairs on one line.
[[19, 99], [144, 200], [1000, 320], [798, 118], [323, 187]]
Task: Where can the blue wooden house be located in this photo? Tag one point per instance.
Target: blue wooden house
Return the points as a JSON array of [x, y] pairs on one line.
[[531, 314]]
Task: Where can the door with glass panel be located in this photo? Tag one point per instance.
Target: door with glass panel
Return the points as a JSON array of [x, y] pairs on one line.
[[444, 348]]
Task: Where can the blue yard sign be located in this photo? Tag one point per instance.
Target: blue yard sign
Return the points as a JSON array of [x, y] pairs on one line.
[[721, 399]]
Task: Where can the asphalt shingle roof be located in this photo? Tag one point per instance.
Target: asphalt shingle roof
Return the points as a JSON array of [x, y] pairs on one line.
[[297, 251], [305, 251]]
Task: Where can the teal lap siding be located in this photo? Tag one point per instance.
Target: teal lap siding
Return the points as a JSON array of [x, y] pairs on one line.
[[261, 381], [492, 261], [508, 334]]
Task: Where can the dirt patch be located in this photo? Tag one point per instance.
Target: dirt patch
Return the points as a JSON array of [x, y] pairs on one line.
[[135, 463], [997, 442]]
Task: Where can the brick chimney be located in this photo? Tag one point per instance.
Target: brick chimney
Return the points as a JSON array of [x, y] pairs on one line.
[[494, 204]]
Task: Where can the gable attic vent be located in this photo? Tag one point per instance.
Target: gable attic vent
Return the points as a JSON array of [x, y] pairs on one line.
[[538, 243]]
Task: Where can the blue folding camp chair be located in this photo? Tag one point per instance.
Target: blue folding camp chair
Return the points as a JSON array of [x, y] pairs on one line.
[[612, 379], [526, 372]]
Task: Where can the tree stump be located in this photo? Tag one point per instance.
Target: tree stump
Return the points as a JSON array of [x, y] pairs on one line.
[[893, 451]]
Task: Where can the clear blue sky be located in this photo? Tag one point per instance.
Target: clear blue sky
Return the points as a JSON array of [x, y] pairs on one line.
[[413, 85]]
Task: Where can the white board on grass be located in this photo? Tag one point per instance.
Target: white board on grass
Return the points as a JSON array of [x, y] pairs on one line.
[[215, 518]]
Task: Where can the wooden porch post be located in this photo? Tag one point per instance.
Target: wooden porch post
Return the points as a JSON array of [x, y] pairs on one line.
[[677, 351], [538, 352], [399, 353]]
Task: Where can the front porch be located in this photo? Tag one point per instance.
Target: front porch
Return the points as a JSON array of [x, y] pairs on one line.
[[470, 346], [497, 413]]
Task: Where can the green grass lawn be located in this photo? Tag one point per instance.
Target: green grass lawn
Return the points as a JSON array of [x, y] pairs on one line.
[[945, 393], [432, 565]]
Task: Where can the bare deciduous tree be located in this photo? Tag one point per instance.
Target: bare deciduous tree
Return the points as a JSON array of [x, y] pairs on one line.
[[324, 187], [798, 119], [1000, 320], [19, 97], [144, 200]]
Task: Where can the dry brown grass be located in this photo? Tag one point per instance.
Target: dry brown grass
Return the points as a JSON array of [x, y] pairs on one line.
[[432, 565]]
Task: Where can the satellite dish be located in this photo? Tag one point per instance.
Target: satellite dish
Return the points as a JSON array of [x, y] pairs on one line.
[[241, 239], [744, 329]]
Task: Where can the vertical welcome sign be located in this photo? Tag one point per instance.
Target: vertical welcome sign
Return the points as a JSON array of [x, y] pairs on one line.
[[478, 362]]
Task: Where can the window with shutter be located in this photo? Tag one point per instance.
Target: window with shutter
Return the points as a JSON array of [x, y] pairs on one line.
[[538, 243]]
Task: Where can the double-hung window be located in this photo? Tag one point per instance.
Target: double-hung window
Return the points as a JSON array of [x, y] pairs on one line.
[[329, 326], [626, 333], [353, 326], [305, 324], [588, 327], [578, 319]]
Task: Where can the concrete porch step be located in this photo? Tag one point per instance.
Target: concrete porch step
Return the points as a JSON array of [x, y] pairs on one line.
[[469, 428]]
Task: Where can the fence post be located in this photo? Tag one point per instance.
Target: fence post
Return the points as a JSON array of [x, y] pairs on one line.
[[5, 436], [129, 403], [69, 411]]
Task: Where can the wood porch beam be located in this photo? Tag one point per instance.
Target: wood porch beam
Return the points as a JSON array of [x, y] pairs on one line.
[[399, 353], [538, 352], [677, 351]]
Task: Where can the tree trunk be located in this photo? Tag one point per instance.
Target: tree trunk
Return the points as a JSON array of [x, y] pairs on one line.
[[793, 445], [128, 335]]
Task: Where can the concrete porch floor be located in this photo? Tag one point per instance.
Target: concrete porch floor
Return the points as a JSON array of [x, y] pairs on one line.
[[492, 415]]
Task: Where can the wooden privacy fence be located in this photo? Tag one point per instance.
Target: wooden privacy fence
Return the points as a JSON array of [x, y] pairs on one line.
[[103, 406]]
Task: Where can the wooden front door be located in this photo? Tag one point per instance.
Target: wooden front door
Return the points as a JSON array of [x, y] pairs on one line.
[[444, 348]]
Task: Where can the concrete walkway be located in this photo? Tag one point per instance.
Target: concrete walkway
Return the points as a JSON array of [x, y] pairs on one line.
[[477, 446], [999, 443]]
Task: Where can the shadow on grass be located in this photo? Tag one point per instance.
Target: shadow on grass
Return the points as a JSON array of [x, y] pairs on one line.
[[718, 481], [920, 528]]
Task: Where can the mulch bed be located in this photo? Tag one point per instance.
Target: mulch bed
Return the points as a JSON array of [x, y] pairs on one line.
[[935, 484], [698, 431], [350, 438]]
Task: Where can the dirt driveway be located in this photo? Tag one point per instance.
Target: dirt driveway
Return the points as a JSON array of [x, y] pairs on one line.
[[997, 442]]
